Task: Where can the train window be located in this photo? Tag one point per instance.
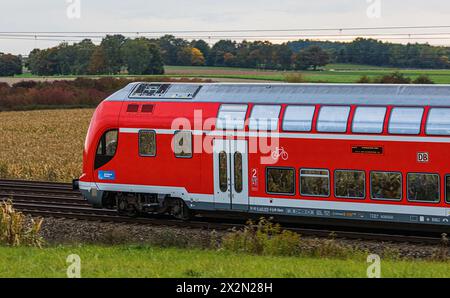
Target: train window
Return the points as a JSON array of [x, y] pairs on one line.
[[280, 181], [333, 119], [369, 120], [231, 116], [182, 144], [238, 172], [350, 184], [223, 171], [386, 185], [438, 122], [405, 121], [107, 147], [298, 118], [314, 183], [264, 117], [147, 143], [447, 188], [423, 187]]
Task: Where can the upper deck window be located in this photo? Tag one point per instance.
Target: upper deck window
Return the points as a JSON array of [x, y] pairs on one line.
[[333, 119], [298, 118], [438, 121], [369, 120], [231, 116], [265, 117], [405, 121]]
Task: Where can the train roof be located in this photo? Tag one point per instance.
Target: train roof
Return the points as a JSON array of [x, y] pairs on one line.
[[285, 93]]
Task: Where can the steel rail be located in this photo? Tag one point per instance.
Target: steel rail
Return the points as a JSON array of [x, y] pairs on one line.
[[35, 199]]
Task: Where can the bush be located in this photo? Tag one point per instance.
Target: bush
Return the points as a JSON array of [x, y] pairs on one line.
[[394, 78], [15, 230], [25, 84], [265, 238], [294, 78], [81, 92], [423, 79], [443, 252], [330, 248], [364, 80]]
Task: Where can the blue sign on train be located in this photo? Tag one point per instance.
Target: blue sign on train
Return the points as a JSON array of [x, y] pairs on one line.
[[107, 175]]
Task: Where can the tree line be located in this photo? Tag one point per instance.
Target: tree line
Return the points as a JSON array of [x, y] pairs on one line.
[[378, 53], [139, 56]]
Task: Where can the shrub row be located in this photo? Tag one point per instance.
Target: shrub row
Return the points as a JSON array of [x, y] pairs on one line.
[[81, 92], [396, 78]]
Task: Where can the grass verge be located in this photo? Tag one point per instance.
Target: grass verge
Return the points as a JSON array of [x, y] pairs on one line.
[[148, 261]]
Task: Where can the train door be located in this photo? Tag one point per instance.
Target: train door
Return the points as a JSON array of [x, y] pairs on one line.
[[231, 175]]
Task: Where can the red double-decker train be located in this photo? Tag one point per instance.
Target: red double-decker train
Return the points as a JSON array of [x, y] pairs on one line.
[[372, 154]]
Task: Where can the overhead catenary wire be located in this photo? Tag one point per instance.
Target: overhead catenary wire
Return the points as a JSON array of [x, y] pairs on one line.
[[402, 34], [387, 35], [339, 29]]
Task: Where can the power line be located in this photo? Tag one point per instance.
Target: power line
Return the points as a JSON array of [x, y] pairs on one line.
[[336, 38], [407, 35], [340, 29]]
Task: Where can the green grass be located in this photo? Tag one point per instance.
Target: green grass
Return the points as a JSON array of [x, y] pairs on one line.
[[342, 66], [143, 261], [333, 73]]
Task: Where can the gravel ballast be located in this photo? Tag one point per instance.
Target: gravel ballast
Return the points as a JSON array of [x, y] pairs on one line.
[[67, 231]]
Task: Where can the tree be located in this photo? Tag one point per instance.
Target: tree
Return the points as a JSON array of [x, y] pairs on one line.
[[66, 56], [368, 51], [170, 46], [44, 62], [111, 46], [218, 51], [97, 63], [10, 65], [203, 46], [190, 56], [229, 60], [84, 51], [184, 56], [141, 56], [283, 57], [313, 56], [197, 57]]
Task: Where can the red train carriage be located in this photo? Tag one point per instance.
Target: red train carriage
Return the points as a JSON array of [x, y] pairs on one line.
[[366, 153]]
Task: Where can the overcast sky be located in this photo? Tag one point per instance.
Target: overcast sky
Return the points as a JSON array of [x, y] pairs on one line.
[[166, 15]]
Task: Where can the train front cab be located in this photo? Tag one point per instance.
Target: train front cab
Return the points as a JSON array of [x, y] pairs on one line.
[[100, 147]]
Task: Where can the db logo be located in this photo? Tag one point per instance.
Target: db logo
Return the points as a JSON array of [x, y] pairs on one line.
[[423, 157]]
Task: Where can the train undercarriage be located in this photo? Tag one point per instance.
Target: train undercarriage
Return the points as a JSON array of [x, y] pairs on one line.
[[135, 204]]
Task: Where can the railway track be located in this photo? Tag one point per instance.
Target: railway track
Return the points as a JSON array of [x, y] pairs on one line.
[[58, 200]]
